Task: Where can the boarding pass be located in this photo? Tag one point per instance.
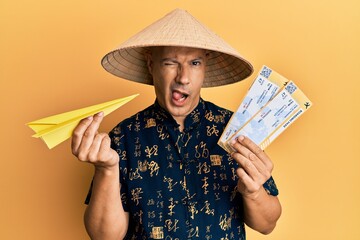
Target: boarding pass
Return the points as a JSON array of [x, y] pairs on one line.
[[266, 111], [266, 85]]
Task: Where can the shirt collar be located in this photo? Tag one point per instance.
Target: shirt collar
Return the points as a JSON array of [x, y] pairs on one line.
[[192, 120]]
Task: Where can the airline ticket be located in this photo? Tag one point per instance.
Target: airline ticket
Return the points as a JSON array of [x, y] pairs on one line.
[[278, 114], [266, 85]]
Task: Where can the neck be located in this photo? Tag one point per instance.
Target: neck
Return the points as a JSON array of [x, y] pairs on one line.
[[181, 122]]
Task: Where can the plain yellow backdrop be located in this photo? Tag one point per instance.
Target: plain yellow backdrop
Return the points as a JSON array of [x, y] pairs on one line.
[[50, 63]]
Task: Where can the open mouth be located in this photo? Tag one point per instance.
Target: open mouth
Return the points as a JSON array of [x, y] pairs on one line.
[[179, 96]]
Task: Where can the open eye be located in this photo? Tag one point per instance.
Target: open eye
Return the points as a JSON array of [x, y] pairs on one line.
[[196, 63]]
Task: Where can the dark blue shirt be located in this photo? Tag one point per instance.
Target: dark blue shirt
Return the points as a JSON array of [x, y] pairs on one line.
[[179, 185]]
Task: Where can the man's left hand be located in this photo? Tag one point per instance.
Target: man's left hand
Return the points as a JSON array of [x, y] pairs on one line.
[[255, 166]]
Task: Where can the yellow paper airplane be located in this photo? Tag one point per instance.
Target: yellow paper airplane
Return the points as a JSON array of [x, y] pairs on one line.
[[56, 129]]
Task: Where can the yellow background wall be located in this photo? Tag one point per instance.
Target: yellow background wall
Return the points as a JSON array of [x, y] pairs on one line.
[[50, 55]]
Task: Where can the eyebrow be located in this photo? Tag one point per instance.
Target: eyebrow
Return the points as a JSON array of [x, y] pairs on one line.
[[174, 59]]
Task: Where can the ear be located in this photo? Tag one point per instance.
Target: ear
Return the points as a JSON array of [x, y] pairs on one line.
[[149, 61]]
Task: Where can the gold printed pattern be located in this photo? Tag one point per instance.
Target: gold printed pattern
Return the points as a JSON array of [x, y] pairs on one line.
[[151, 214], [225, 222], [215, 160], [123, 155], [139, 215], [184, 138], [209, 116], [136, 195], [117, 140], [154, 168], [170, 183], [162, 134], [134, 174], [151, 151], [193, 232], [212, 130], [208, 211], [157, 233], [192, 209], [219, 118], [171, 226], [179, 184], [143, 166], [159, 195], [117, 130], [151, 202], [201, 150], [195, 116], [233, 193], [205, 185], [234, 176], [150, 123], [225, 238], [137, 127], [203, 167], [137, 152], [217, 198], [171, 206], [223, 176], [183, 184], [168, 147]]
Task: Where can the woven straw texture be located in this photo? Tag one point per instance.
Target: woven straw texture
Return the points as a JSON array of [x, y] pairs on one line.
[[178, 28]]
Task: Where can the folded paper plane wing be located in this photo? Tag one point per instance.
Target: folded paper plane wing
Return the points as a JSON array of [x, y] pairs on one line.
[[56, 129]]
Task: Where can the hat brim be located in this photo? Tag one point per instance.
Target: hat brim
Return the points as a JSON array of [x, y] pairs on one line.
[[221, 69], [178, 29]]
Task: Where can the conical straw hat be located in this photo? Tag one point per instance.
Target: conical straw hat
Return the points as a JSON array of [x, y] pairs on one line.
[[178, 28]]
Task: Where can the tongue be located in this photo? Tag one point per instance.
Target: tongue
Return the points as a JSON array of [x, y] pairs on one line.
[[177, 96]]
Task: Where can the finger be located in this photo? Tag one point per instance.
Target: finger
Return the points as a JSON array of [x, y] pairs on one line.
[[93, 153], [248, 166], [78, 133], [101, 153], [247, 182], [247, 153], [105, 151], [90, 132], [252, 151], [105, 144]]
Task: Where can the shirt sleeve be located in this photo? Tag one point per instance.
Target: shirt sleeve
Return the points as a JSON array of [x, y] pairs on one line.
[[118, 144], [88, 196], [271, 187]]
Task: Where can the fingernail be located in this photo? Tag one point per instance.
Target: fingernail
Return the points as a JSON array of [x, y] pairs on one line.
[[241, 137], [233, 142], [100, 114]]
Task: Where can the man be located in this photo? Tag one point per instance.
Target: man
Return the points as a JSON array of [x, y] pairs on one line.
[[160, 173]]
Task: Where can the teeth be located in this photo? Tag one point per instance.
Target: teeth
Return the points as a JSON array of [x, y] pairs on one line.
[[179, 96]]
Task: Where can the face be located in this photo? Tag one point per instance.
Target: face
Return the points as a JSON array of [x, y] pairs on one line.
[[178, 74]]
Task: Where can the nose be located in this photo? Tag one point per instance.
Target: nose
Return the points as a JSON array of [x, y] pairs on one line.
[[183, 75]]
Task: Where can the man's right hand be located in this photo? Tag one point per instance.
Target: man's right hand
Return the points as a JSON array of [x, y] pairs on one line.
[[88, 145], [104, 217]]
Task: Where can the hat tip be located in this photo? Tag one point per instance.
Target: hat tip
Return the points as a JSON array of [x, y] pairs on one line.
[[179, 10]]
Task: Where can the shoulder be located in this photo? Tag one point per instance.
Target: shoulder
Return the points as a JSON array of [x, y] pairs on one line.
[[217, 111], [137, 118], [214, 106], [129, 128]]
